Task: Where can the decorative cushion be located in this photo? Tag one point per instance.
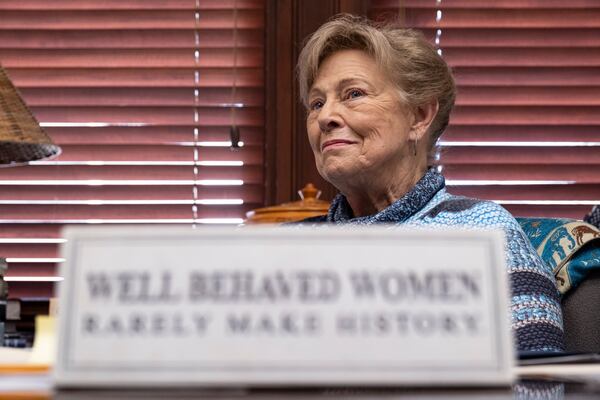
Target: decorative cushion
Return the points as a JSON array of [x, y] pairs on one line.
[[570, 247]]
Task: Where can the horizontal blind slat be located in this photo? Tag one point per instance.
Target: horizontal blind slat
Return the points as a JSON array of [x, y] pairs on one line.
[[529, 192], [125, 152], [130, 58], [31, 270], [250, 193], [252, 116], [121, 212], [517, 115], [27, 290], [93, 5], [524, 156], [32, 251], [126, 19], [532, 96], [130, 39], [147, 135], [377, 5], [150, 77], [474, 18], [531, 132], [521, 57], [527, 76], [515, 38], [250, 174], [576, 172], [125, 97]]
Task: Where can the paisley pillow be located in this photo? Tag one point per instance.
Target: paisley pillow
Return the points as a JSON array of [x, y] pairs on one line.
[[570, 247]]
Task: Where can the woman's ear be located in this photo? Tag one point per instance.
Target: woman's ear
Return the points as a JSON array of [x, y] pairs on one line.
[[423, 118]]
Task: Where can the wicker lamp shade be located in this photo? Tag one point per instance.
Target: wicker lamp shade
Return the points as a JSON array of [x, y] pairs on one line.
[[21, 137]]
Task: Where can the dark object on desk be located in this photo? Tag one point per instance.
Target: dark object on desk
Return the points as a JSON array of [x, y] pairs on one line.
[[20, 325], [542, 358], [20, 320], [581, 316]]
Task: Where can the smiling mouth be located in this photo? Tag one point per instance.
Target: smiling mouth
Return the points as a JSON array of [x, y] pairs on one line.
[[335, 143]]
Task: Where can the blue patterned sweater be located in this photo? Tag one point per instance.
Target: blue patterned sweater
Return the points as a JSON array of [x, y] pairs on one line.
[[535, 305]]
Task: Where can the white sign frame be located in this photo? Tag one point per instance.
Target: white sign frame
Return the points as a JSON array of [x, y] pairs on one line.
[[487, 246]]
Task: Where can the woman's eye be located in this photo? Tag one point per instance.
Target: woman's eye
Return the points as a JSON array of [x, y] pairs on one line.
[[355, 93], [315, 105]]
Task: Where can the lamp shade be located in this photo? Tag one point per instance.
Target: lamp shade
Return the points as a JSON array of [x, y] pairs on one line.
[[21, 137]]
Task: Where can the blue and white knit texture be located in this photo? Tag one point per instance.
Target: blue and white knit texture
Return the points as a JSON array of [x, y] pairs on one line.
[[535, 305], [593, 217]]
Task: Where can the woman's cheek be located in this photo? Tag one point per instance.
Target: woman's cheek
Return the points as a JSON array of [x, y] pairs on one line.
[[361, 124], [313, 135]]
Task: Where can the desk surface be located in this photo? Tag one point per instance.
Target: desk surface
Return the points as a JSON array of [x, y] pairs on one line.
[[540, 390]]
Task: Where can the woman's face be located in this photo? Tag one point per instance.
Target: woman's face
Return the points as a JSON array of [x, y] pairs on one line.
[[357, 126]]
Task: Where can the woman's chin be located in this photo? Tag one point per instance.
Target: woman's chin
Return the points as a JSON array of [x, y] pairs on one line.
[[339, 176]]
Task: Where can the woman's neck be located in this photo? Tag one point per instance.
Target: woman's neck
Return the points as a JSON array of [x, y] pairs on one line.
[[376, 195]]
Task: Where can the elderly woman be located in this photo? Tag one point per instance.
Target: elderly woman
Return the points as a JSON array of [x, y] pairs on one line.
[[378, 99]]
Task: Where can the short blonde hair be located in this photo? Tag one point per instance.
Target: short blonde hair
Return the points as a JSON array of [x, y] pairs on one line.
[[404, 54]]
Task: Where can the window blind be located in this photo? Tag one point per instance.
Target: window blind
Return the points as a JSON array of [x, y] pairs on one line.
[[142, 96], [526, 128]]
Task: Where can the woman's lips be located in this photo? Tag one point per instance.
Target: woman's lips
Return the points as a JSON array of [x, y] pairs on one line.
[[335, 143]]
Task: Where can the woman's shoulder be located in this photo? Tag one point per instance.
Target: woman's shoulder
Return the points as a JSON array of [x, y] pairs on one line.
[[449, 209]]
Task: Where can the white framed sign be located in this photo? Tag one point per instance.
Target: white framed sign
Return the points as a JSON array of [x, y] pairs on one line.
[[167, 306]]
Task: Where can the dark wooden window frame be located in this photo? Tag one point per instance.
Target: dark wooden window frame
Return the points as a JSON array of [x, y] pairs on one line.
[[289, 162]]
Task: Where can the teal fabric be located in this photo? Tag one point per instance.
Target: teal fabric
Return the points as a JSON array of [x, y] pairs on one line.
[[570, 247]]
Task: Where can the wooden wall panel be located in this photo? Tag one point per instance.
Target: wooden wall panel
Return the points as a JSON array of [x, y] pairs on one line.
[[289, 159]]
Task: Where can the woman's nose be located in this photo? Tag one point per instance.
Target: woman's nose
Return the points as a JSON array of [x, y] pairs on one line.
[[329, 118]]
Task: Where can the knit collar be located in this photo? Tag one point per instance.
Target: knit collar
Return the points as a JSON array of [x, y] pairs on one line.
[[340, 211]]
